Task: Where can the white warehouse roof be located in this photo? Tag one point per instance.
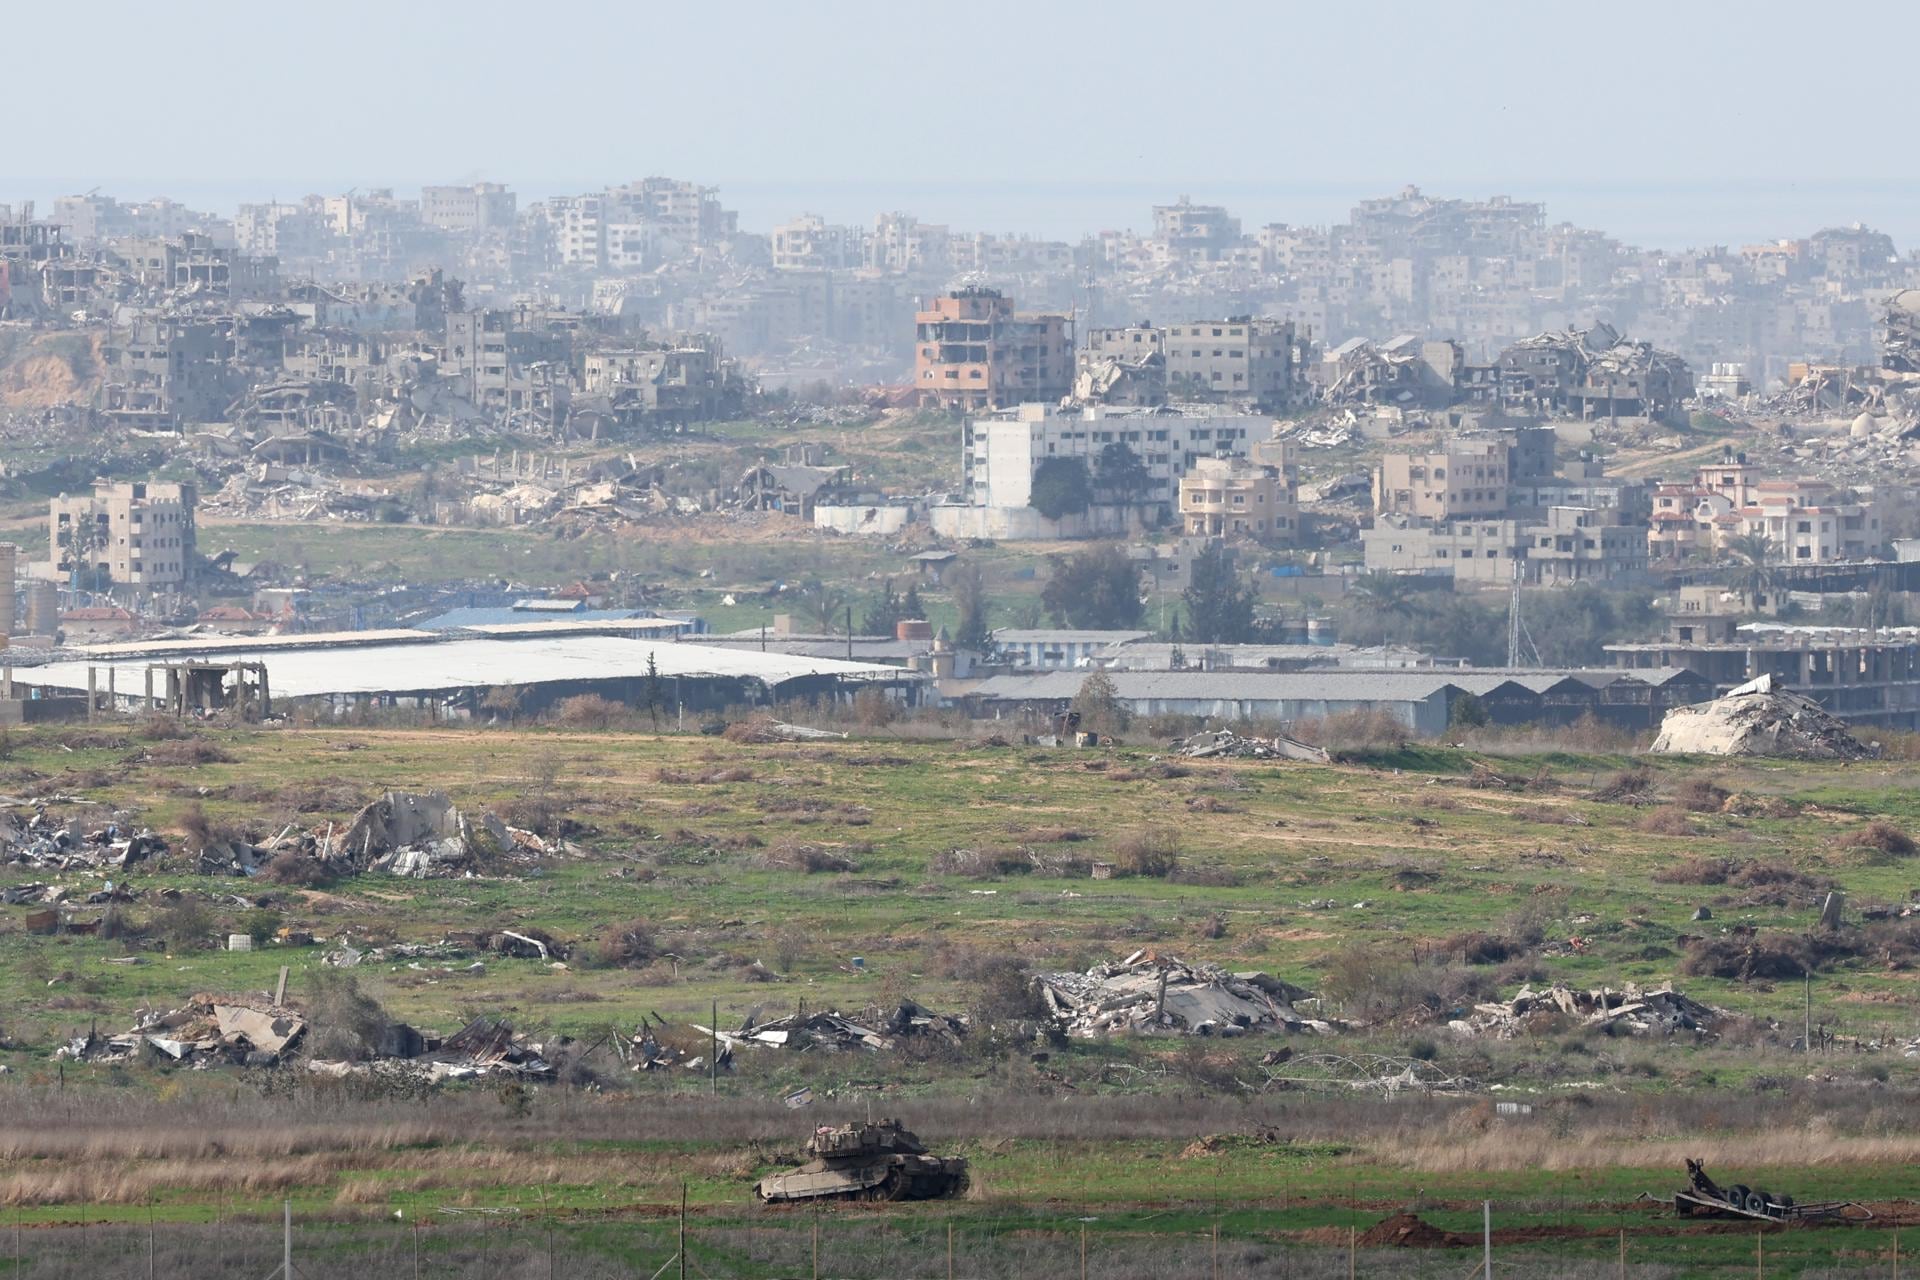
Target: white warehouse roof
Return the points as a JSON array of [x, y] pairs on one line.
[[388, 667]]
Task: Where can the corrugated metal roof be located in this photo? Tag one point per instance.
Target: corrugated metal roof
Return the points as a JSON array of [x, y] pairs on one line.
[[1389, 685], [1064, 635], [454, 619], [484, 663]]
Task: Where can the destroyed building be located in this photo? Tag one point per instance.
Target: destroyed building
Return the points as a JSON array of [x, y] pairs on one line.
[[1152, 995], [1759, 718]]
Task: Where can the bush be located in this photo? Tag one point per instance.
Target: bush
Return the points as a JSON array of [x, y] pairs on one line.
[[1700, 795], [1882, 836], [343, 1022], [981, 864], [798, 855], [185, 924], [194, 825], [587, 711], [1154, 854], [628, 945], [1667, 820], [184, 753], [297, 870]]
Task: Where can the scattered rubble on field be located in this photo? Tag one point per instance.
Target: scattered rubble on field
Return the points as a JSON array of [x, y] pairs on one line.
[[1361, 1073], [1225, 742], [31, 837], [1150, 994], [765, 729], [209, 1031], [415, 834], [486, 1046], [1656, 1011], [1759, 718], [832, 1030]]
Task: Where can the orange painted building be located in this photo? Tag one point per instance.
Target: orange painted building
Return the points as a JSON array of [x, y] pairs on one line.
[[973, 351]]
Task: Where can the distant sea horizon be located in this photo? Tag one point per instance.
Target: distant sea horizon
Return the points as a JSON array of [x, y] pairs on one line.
[[1671, 215]]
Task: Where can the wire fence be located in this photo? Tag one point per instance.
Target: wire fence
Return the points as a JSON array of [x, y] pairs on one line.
[[651, 1242]]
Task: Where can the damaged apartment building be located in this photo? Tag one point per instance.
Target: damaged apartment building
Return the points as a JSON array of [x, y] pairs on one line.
[[1494, 509], [1578, 373], [1255, 363]]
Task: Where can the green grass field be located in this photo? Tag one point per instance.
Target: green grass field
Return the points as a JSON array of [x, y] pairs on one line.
[[1362, 881]]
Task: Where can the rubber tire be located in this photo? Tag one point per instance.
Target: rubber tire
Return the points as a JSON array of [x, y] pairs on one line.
[[1737, 1196], [1756, 1202]]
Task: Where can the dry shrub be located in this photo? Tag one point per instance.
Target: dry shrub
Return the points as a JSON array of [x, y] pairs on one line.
[[799, 855], [587, 711], [1629, 786], [155, 727], [1482, 948], [1767, 955], [1744, 805], [1881, 836], [1212, 875], [343, 1022], [1212, 804], [627, 945], [195, 826], [1667, 820], [1701, 795], [185, 753], [981, 864], [1153, 853], [712, 777], [296, 869], [1051, 835], [1371, 727], [873, 709], [1695, 871]]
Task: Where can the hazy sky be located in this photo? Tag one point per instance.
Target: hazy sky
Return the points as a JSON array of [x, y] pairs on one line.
[[1671, 122]]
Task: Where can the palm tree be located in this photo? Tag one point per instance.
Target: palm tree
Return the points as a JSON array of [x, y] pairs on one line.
[[1753, 576], [1390, 594]]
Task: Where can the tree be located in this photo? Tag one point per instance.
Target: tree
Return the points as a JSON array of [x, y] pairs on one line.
[[882, 615], [969, 590], [910, 606], [1119, 474], [823, 607], [1387, 594], [1096, 590], [1753, 577], [1098, 703], [653, 691], [1219, 605], [503, 699], [1061, 487]]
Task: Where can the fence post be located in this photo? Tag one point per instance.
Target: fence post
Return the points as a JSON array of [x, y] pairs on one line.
[[1486, 1233]]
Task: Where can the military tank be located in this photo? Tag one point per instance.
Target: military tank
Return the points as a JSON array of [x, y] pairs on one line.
[[872, 1161]]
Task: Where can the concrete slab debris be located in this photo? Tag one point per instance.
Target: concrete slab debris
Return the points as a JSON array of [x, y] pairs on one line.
[[1652, 1011], [1227, 743], [208, 1031], [1154, 995], [1759, 718]]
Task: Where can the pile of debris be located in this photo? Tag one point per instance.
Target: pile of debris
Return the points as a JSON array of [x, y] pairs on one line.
[[209, 1031], [1658, 1011], [1158, 995], [30, 837], [1225, 742], [1759, 718], [416, 834], [832, 1030]]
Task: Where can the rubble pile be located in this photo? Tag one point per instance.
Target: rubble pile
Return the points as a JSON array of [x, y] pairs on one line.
[[1759, 718], [1657, 1011], [209, 1031], [1153, 995], [832, 1030], [1225, 742], [418, 835], [30, 837]]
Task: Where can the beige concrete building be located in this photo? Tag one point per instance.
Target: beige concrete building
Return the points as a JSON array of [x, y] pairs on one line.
[[1242, 359], [130, 534], [1466, 479], [1235, 497]]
